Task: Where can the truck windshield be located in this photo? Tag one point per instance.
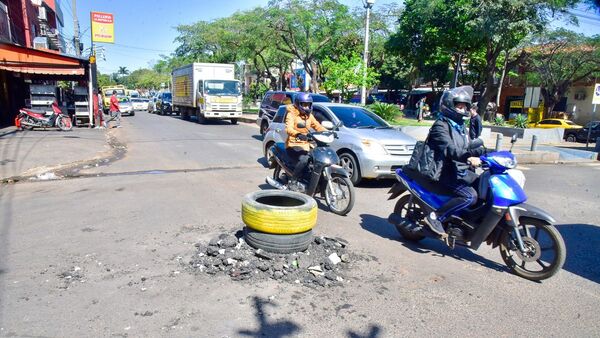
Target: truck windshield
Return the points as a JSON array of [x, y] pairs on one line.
[[222, 87]]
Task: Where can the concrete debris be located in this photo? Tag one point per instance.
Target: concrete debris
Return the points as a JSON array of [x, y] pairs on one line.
[[321, 265]]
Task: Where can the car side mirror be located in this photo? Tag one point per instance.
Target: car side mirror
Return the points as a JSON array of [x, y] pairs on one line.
[[327, 125], [301, 125], [339, 124]]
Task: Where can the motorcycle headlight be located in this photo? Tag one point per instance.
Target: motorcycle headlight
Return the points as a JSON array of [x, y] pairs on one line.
[[506, 162], [373, 147]]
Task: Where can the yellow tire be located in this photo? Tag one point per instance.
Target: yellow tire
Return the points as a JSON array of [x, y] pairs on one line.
[[279, 212]]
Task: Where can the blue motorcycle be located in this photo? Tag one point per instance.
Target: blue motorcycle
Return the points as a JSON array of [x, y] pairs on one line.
[[529, 244]]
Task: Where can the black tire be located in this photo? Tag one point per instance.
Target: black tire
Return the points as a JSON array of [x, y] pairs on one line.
[[571, 138], [269, 156], [339, 181], [132, 113], [518, 264], [234, 121], [263, 127], [276, 243], [200, 117], [349, 162], [409, 215]]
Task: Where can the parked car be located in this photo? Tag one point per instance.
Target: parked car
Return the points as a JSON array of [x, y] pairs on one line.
[[555, 123], [164, 103], [581, 134], [368, 146], [139, 104], [273, 100], [125, 105]]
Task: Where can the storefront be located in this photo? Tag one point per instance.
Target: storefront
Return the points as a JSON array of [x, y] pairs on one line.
[[21, 67]]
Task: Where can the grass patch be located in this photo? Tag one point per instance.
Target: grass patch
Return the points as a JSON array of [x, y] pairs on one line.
[[250, 110], [404, 122]]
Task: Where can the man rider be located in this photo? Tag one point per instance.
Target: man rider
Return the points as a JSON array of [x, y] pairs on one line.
[[449, 142], [297, 145]]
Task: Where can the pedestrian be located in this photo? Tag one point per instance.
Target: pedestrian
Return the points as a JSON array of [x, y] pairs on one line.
[[98, 124], [475, 126], [115, 111], [420, 105]]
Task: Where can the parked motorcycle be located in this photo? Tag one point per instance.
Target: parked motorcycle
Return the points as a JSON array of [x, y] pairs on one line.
[[29, 119], [323, 175], [529, 244]]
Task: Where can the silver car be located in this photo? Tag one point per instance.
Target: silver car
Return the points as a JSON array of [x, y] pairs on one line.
[[125, 105], [368, 146]]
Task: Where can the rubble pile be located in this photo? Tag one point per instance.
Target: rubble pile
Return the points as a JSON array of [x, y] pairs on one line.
[[320, 265]]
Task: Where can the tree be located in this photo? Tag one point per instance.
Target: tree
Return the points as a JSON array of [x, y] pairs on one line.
[[104, 80], [346, 73], [558, 59], [123, 71], [306, 28], [433, 31]]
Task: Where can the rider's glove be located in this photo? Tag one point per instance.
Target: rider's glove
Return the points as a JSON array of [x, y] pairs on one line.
[[302, 137]]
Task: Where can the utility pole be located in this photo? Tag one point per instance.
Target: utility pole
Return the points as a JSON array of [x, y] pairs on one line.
[[368, 4], [75, 27]]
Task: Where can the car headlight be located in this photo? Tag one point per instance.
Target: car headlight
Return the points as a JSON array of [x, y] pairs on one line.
[[373, 147]]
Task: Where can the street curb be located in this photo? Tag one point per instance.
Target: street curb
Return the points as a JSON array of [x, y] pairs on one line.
[[8, 131], [248, 118]]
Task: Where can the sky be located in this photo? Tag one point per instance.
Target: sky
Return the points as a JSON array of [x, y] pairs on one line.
[[146, 29]]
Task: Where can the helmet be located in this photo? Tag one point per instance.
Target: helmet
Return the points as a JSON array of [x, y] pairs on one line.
[[453, 96], [303, 98]]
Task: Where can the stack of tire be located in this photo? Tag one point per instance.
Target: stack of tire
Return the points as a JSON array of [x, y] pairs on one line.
[[279, 221]]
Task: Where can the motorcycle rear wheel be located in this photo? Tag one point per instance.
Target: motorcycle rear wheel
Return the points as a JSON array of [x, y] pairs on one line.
[[410, 212], [64, 123], [545, 256], [343, 186]]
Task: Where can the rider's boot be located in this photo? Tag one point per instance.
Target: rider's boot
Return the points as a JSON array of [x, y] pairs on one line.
[[435, 225]]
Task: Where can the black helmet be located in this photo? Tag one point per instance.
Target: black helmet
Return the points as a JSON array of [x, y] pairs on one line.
[[303, 98], [453, 96]]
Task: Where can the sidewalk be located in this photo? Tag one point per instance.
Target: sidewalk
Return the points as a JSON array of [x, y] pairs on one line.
[[39, 152]]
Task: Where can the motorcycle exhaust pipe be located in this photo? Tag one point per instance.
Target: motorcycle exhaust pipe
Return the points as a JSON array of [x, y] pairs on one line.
[[272, 182]]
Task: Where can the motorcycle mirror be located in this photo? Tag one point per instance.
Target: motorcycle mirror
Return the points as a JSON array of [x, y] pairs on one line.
[[327, 125], [513, 139], [301, 125]]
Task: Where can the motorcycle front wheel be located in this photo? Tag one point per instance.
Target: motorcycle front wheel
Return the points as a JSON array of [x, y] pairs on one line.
[[544, 253], [64, 123], [339, 195]]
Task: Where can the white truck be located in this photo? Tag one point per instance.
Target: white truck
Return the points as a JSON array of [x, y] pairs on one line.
[[208, 91]]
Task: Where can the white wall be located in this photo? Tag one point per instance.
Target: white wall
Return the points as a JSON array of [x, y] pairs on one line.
[[583, 108]]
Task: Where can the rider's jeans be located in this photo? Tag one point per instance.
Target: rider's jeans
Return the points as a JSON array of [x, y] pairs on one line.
[[301, 156], [465, 196]]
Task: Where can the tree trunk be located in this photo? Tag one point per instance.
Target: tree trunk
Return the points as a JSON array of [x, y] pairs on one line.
[[314, 83]]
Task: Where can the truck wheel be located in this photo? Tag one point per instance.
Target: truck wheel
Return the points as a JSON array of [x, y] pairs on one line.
[[201, 118], [234, 121], [185, 115]]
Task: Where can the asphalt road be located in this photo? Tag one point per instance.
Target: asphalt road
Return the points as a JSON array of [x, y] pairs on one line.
[[181, 182]]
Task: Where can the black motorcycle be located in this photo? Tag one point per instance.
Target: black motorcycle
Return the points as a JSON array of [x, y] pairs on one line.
[[323, 175]]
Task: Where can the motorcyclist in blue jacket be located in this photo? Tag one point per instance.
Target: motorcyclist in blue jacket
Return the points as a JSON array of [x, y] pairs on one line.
[[449, 142]]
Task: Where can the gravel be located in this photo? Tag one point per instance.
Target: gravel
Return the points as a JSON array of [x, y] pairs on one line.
[[324, 264]]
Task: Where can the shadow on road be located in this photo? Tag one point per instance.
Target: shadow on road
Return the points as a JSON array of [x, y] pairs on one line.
[[374, 331], [263, 160], [257, 137], [583, 250], [265, 328], [376, 184], [381, 227]]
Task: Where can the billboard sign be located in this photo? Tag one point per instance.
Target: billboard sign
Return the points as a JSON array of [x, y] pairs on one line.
[[103, 27]]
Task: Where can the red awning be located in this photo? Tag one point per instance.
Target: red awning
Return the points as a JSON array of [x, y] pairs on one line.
[[32, 61]]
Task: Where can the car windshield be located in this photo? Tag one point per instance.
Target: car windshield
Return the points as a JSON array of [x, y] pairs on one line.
[[357, 117], [167, 96], [124, 100], [222, 87]]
